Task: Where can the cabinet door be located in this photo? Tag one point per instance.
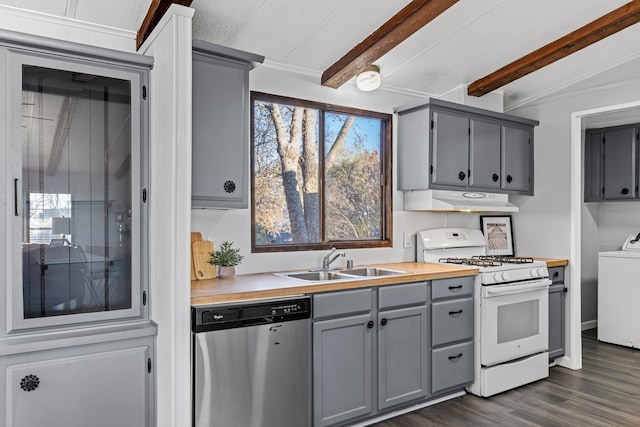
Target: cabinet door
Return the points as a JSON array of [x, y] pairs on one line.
[[220, 133], [484, 147], [620, 163], [450, 149], [78, 214], [556, 320], [593, 190], [403, 373], [342, 369], [102, 389], [517, 158], [452, 366]]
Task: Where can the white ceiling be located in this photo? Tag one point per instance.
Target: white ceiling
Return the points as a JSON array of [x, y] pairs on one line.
[[470, 40]]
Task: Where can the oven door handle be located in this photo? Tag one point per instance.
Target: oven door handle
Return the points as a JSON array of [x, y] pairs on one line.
[[517, 290]]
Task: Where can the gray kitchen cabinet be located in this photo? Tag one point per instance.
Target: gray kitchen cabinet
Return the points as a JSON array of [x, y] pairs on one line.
[[452, 328], [75, 259], [220, 139], [342, 357], [517, 158], [443, 145], [450, 149], [611, 163], [557, 297], [370, 343], [403, 356], [101, 385]]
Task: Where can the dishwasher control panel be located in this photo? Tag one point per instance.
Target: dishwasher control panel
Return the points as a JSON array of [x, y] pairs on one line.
[[225, 316]]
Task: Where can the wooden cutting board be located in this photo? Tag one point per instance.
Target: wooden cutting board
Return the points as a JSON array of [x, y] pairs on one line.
[[195, 237], [201, 256]]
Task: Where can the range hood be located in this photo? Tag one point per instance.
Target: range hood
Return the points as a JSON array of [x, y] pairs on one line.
[[456, 201]]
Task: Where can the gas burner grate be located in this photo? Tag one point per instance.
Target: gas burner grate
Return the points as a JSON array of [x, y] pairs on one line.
[[475, 261], [505, 259]]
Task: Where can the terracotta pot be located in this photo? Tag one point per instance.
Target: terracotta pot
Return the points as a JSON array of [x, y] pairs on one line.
[[226, 272]]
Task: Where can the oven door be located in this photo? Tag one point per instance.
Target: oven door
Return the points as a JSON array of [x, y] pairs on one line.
[[515, 319]]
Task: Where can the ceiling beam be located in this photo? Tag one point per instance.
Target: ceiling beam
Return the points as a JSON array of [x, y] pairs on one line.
[[593, 32], [156, 11], [403, 24]]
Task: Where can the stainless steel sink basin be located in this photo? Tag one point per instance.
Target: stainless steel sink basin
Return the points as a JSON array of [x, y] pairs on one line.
[[317, 276], [371, 272]]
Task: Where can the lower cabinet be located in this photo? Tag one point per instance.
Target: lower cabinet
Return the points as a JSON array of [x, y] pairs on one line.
[[557, 296], [342, 369], [372, 352], [452, 326], [403, 371], [98, 385]]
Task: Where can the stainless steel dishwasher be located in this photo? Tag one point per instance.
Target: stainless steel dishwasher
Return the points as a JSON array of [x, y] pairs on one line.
[[252, 363]]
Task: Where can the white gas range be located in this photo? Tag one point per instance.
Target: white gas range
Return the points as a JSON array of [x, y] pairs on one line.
[[511, 309]]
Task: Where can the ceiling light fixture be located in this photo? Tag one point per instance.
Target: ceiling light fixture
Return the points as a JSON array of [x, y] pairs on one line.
[[369, 78]]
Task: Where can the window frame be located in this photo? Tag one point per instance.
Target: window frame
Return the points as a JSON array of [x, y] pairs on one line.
[[386, 158]]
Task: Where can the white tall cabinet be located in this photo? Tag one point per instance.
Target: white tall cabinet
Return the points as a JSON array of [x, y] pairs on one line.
[[76, 342]]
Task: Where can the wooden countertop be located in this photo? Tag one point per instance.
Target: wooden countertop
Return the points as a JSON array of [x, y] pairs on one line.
[[551, 262], [268, 285]]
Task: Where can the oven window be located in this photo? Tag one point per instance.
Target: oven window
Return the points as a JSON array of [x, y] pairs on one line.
[[518, 320]]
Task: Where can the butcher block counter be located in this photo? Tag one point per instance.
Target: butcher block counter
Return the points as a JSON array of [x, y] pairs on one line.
[[268, 285]]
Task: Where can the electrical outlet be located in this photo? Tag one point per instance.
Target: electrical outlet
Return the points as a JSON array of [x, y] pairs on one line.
[[408, 240]]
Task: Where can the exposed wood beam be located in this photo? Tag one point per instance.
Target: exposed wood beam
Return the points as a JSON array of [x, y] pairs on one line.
[[410, 19], [156, 11], [593, 32]]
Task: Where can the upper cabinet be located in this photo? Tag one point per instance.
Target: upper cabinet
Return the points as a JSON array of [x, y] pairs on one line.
[[220, 167], [611, 163], [442, 145], [75, 185]]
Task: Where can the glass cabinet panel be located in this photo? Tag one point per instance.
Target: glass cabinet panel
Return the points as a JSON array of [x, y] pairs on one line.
[[79, 207]]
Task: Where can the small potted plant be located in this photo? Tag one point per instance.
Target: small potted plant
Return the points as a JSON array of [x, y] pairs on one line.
[[226, 258]]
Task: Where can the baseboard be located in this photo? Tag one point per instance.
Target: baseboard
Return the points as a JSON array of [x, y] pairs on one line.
[[589, 324]]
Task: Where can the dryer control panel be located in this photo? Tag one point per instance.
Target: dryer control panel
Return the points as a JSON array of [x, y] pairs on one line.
[[632, 243]]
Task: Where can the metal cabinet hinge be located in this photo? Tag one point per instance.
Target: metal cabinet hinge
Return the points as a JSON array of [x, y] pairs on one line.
[[144, 92], [144, 195], [144, 297], [149, 365]]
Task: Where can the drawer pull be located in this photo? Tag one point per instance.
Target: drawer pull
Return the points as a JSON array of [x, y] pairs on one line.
[[455, 288], [455, 313], [456, 357]]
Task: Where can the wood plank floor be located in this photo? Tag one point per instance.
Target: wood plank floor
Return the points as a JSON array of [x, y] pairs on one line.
[[606, 392]]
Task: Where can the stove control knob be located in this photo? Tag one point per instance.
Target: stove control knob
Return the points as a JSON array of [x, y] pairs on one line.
[[534, 272], [505, 277], [541, 272], [497, 277]]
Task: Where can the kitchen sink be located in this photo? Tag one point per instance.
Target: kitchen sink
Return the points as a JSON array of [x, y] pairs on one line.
[[371, 272], [349, 274], [317, 276]]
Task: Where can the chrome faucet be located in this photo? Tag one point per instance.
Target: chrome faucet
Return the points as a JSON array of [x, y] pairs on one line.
[[330, 257]]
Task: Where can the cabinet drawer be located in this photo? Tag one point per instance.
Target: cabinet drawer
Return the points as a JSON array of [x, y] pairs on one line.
[[451, 366], [556, 274], [341, 303], [399, 295], [451, 321], [451, 288]]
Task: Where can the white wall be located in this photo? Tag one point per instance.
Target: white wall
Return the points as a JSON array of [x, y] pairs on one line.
[[235, 225]]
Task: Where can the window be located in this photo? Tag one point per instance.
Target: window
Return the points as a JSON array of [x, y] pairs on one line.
[[321, 175]]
